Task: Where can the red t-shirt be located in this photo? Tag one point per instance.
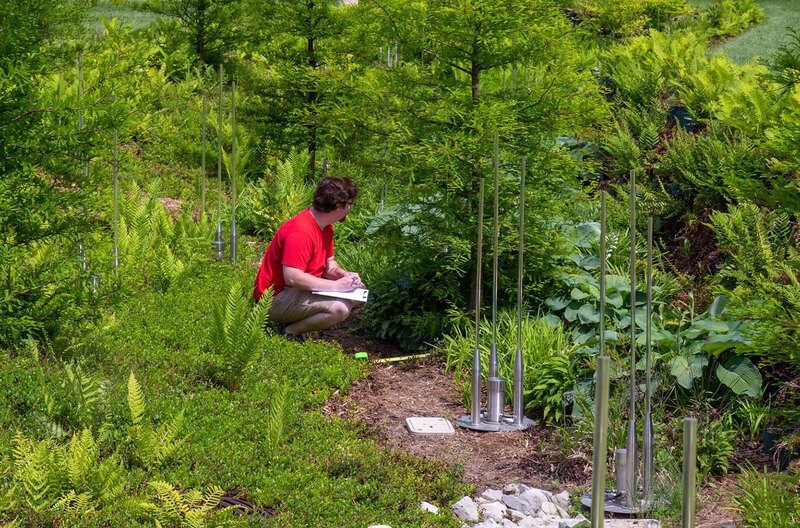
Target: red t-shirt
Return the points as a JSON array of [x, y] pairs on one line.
[[298, 243]]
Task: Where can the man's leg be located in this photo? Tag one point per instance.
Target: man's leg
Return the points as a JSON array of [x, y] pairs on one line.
[[337, 312], [303, 312]]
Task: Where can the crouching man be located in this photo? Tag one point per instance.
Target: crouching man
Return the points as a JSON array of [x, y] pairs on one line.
[[299, 259]]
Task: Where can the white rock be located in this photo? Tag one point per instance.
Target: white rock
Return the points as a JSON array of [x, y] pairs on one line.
[[562, 512], [427, 506], [540, 514], [550, 509], [529, 522], [523, 488], [515, 503], [488, 523], [466, 510], [515, 515], [534, 498], [562, 499], [482, 500], [632, 523], [493, 495], [548, 495], [494, 510], [511, 489], [505, 523]]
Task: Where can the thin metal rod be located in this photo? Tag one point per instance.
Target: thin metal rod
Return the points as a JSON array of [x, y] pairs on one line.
[[233, 172], [115, 186], [219, 149], [647, 432], [689, 472], [602, 273], [496, 235], [475, 415], [600, 442], [518, 366], [84, 157], [631, 444], [204, 136]]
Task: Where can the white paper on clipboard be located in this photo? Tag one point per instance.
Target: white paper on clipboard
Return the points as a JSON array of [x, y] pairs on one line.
[[359, 294]]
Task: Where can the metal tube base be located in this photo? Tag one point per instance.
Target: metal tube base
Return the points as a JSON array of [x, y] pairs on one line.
[[507, 423]]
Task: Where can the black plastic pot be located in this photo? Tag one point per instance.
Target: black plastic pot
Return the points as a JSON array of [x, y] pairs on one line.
[[772, 447]]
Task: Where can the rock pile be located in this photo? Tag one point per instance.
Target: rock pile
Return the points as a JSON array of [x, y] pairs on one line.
[[516, 506], [520, 506]]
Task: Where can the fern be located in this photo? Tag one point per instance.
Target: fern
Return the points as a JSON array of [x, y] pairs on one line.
[[276, 419], [136, 403], [73, 478], [172, 507], [756, 240], [236, 334], [153, 446]]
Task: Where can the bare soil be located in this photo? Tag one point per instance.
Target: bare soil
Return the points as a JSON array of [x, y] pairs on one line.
[[395, 391]]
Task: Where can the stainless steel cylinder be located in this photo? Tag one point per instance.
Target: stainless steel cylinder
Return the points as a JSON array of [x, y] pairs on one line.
[[689, 472], [621, 469], [647, 456], [219, 243], [600, 442], [630, 467], [518, 366], [495, 398]]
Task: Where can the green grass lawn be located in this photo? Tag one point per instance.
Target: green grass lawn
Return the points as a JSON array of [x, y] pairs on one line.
[[763, 40], [127, 15]]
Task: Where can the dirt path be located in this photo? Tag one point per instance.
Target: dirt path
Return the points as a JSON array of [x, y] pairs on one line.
[[537, 457]]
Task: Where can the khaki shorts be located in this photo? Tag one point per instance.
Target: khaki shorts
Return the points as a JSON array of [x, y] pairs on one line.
[[292, 305]]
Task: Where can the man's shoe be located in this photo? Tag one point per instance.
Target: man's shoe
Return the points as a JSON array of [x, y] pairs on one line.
[[299, 338]]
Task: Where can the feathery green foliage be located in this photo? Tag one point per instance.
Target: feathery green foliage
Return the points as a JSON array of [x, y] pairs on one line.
[[237, 335], [152, 446]]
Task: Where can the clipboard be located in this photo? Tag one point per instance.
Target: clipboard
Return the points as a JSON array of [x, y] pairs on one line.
[[359, 294]]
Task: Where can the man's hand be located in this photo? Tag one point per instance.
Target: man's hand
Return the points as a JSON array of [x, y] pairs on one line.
[[349, 282], [357, 283]]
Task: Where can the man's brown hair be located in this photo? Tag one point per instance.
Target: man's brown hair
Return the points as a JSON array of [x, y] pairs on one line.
[[334, 192]]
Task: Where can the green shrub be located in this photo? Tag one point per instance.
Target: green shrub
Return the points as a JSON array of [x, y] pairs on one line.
[[726, 18]]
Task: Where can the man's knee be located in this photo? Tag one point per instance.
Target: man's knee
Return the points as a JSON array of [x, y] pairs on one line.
[[340, 310]]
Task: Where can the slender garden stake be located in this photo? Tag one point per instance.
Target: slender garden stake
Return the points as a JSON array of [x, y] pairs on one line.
[[632, 442], [689, 471], [475, 403], [647, 433], [115, 186], [203, 180], [233, 172], [496, 234], [518, 409], [600, 440], [219, 242]]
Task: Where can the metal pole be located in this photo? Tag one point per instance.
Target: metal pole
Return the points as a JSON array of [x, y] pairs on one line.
[[602, 273], [647, 433], [233, 172], [600, 442], [518, 366], [115, 185], [475, 415], [219, 241], [203, 140], [689, 471], [631, 444], [496, 226]]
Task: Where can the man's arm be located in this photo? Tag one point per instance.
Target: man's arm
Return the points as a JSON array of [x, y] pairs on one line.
[[301, 280], [335, 271]]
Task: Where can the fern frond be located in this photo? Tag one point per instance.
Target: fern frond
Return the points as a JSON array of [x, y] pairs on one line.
[[136, 403]]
